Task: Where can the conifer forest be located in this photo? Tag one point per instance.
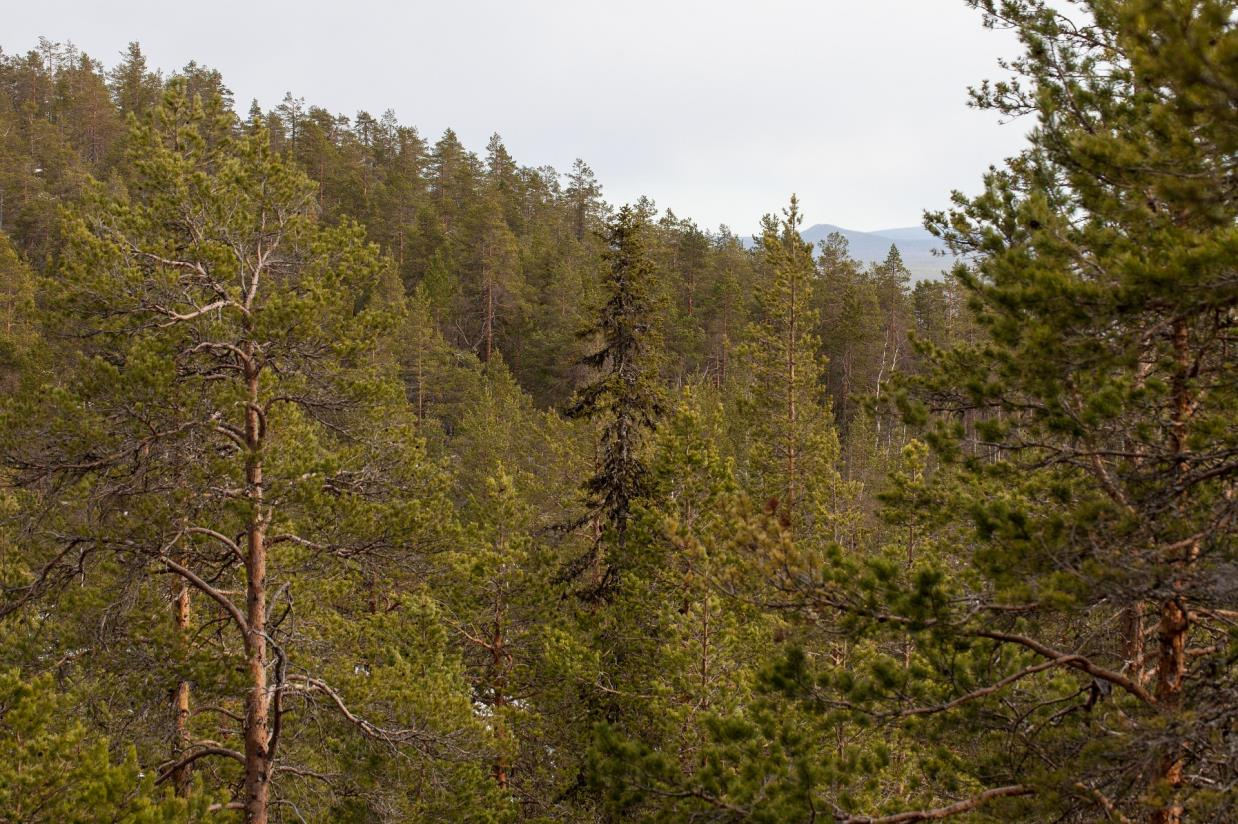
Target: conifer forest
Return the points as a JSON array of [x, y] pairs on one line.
[[354, 474]]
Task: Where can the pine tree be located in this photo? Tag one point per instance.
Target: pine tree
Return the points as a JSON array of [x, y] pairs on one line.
[[583, 194], [791, 441], [1022, 614], [1084, 513], [890, 279], [497, 283], [706, 647], [454, 178], [502, 174], [225, 420], [851, 332], [135, 88], [1109, 300], [18, 330], [85, 112], [206, 84]]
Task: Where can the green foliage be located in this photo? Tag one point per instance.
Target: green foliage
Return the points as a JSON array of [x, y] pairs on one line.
[[850, 548], [1104, 289], [53, 771]]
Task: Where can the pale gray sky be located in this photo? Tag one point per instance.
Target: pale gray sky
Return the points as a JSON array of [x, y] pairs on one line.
[[718, 109]]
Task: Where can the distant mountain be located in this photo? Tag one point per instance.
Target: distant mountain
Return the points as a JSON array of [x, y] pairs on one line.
[[914, 243], [906, 233]]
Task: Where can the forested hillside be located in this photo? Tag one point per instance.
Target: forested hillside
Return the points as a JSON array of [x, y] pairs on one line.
[[351, 474]]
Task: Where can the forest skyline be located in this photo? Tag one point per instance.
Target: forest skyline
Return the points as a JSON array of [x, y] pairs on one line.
[[860, 108]]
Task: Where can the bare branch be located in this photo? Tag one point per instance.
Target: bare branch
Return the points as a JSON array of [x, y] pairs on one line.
[[371, 730], [1066, 660], [937, 813], [1076, 661], [174, 317], [199, 750], [220, 537], [213, 593], [1111, 811]]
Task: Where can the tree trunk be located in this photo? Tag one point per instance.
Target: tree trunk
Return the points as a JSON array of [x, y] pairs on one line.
[[1170, 673], [498, 667], [792, 435], [489, 320], [182, 775], [257, 756], [1132, 639], [1174, 620], [421, 382]]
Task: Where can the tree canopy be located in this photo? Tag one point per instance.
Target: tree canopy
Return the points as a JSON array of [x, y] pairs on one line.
[[350, 475]]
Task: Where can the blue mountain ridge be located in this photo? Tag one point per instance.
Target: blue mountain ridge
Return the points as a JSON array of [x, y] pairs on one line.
[[914, 243]]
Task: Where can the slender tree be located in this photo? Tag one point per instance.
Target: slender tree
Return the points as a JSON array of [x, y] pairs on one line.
[[583, 195], [135, 88], [791, 435]]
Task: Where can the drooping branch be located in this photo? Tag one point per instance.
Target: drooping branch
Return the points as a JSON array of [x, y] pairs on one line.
[[45, 580], [1077, 661], [938, 813], [202, 749], [34, 471], [306, 684], [1066, 660], [218, 536], [232, 433], [212, 593]]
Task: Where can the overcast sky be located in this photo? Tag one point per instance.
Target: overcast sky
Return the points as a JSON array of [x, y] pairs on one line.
[[718, 109]]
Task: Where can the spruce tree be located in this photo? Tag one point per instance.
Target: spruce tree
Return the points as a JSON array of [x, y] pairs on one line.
[[625, 397]]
